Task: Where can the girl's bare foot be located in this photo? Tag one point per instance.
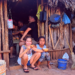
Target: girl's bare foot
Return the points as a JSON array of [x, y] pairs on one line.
[[39, 67], [49, 67]]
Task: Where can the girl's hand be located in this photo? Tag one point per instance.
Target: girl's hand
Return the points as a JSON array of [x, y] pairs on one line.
[[32, 46], [28, 48], [42, 50]]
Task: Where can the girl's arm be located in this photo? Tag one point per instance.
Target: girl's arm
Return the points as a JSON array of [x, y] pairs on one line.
[[37, 50], [22, 52]]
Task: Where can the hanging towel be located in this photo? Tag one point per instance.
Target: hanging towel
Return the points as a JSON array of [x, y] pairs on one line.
[[38, 12]]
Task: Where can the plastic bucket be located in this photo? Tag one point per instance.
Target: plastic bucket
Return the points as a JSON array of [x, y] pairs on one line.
[[10, 24], [62, 63], [2, 67]]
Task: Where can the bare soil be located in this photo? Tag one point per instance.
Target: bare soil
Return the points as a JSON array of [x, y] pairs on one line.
[[44, 71]]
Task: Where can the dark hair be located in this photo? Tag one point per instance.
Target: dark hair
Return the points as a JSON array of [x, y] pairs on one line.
[[28, 37], [33, 16], [41, 38], [20, 21]]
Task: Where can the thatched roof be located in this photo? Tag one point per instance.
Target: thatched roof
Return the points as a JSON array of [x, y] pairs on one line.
[[68, 3]]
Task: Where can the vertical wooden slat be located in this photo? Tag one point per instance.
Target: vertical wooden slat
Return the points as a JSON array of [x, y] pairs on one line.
[[42, 25], [46, 27], [71, 38], [61, 35], [49, 34], [6, 32], [2, 22], [38, 22], [65, 33], [55, 36], [0, 28]]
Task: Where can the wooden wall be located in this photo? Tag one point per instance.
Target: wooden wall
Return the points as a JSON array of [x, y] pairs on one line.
[[4, 51], [56, 38]]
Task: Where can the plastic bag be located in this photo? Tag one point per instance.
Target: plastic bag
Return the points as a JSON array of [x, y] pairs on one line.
[[38, 12], [66, 19], [19, 61], [10, 23], [65, 56]]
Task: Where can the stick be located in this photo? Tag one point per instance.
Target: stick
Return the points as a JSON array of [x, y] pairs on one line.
[[0, 29], [51, 36], [6, 33], [57, 42], [46, 27]]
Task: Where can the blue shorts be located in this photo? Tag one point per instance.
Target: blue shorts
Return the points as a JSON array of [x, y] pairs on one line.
[[28, 64]]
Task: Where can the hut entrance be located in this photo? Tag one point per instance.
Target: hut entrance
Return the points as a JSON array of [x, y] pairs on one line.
[[18, 11]]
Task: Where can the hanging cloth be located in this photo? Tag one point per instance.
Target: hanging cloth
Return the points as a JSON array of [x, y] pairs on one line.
[[38, 12], [66, 19]]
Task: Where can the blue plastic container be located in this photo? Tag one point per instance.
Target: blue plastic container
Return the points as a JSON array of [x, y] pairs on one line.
[[62, 64]]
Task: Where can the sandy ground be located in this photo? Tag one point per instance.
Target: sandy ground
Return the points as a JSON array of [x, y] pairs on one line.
[[44, 71]]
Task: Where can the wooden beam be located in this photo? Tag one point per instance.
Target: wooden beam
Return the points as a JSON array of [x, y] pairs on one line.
[[58, 50], [2, 22], [15, 67], [0, 28], [38, 22], [8, 51], [61, 35], [42, 27], [51, 37], [49, 34], [6, 33], [46, 27], [71, 38]]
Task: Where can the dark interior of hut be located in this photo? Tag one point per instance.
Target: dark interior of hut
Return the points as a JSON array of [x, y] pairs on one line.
[[20, 10]]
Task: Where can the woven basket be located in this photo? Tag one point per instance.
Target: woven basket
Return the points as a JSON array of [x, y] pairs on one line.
[[2, 67]]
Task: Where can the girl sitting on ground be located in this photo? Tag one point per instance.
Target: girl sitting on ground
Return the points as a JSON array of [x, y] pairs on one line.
[[26, 57], [41, 46]]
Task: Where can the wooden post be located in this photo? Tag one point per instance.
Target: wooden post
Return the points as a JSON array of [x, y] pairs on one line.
[[66, 33], [38, 22], [46, 27], [49, 34], [0, 30], [6, 32], [61, 35], [71, 38], [2, 22], [42, 27]]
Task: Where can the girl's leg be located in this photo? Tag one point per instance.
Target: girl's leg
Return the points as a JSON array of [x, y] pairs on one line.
[[25, 60], [48, 60], [34, 59], [40, 60]]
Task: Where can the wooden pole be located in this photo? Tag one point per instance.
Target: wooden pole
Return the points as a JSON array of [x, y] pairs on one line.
[[49, 34], [42, 27], [71, 38], [65, 33], [0, 30], [6, 31], [2, 22], [46, 27], [38, 22], [61, 35]]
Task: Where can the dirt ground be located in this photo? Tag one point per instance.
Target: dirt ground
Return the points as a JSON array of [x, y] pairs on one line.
[[44, 71]]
